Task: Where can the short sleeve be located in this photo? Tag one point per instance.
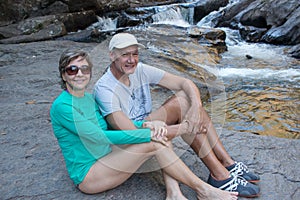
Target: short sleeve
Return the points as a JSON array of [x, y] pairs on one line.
[[151, 75]]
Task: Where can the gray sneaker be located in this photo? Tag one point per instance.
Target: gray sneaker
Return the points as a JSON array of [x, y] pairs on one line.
[[236, 184], [240, 169]]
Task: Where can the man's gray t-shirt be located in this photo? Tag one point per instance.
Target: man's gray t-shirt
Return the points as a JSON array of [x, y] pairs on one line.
[[135, 101]]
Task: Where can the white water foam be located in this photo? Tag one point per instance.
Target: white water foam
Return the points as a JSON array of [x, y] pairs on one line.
[[285, 74], [169, 15]]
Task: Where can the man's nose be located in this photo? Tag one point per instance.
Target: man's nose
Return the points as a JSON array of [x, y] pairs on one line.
[[131, 57]]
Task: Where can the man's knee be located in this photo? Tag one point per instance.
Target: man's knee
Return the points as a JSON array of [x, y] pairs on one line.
[[177, 106]]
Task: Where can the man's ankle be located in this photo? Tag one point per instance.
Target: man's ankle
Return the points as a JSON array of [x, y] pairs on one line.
[[221, 176]]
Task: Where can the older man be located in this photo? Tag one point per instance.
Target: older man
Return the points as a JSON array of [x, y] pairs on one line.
[[123, 94]]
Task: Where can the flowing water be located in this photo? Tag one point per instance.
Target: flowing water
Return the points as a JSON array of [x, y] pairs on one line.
[[262, 90], [263, 93]]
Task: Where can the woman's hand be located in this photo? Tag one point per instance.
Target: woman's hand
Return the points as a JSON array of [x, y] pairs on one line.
[[158, 131], [158, 127]]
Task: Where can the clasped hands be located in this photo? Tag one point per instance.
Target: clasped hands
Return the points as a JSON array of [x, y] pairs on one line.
[[158, 131], [192, 125]]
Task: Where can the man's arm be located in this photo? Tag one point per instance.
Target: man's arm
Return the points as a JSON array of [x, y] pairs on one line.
[[177, 83]]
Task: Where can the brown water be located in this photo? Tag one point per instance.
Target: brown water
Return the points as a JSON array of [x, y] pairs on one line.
[[262, 93]]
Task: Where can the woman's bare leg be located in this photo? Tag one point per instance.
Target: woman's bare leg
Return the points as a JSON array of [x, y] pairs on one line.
[[173, 189], [107, 173], [172, 186]]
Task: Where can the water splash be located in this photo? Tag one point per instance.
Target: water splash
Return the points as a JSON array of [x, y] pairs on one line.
[[169, 15], [104, 24]]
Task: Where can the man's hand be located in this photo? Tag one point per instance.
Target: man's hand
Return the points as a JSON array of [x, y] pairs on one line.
[[195, 122]]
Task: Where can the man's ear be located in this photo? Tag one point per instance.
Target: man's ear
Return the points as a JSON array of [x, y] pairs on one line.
[[112, 56]]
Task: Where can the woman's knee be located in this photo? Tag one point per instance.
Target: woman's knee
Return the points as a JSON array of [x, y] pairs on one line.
[[87, 188], [146, 147]]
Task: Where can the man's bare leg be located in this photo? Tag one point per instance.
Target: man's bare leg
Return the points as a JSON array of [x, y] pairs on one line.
[[207, 146]]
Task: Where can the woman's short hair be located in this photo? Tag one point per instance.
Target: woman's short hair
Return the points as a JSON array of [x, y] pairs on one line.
[[68, 56]]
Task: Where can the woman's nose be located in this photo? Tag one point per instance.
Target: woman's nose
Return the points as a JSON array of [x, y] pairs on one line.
[[79, 73]]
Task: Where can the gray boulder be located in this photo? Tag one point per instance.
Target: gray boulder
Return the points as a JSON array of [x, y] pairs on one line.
[[275, 22]]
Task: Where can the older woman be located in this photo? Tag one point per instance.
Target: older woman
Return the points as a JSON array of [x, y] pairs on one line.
[[92, 152]]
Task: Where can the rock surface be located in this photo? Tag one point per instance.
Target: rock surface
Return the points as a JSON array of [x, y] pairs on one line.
[[275, 22], [32, 166]]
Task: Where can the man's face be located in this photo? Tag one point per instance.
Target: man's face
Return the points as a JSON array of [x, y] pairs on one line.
[[125, 60]]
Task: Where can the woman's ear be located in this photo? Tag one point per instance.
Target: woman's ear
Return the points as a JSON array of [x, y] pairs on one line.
[[63, 77]]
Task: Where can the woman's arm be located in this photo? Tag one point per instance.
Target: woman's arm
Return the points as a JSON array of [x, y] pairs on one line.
[[90, 132]]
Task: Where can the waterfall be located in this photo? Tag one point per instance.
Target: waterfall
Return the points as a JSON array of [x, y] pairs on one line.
[[170, 15], [104, 24]]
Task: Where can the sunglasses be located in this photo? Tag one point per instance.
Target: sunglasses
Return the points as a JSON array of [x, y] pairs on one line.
[[73, 69]]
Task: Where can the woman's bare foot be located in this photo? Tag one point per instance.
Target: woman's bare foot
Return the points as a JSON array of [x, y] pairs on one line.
[[216, 194], [176, 197], [175, 194]]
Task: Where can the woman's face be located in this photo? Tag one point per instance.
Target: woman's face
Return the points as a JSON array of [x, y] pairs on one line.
[[77, 76]]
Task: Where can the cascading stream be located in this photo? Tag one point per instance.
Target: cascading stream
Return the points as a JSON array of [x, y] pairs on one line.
[[261, 83]]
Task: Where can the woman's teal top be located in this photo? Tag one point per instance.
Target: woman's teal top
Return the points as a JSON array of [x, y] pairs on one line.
[[82, 133]]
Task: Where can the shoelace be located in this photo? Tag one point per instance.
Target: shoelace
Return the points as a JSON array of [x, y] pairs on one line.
[[239, 169], [233, 184]]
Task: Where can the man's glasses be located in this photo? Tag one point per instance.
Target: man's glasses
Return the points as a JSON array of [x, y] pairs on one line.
[[73, 69]]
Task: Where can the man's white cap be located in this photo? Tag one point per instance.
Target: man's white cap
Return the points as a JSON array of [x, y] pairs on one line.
[[122, 40]]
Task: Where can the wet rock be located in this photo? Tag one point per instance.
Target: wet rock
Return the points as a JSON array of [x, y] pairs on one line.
[[13, 11], [167, 42], [77, 20], [275, 22], [288, 32], [46, 27], [248, 56], [17, 10], [252, 34], [85, 36], [28, 26], [295, 51], [25, 20], [227, 17], [56, 8], [48, 32], [203, 8], [209, 37]]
